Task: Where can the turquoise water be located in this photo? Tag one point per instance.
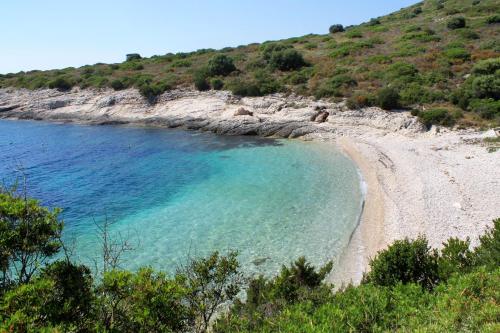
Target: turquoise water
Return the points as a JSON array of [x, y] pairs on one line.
[[176, 193]]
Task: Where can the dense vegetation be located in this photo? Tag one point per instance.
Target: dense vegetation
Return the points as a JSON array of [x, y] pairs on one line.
[[442, 54], [409, 287]]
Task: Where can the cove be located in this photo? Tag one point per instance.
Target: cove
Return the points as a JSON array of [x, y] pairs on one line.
[[176, 193]]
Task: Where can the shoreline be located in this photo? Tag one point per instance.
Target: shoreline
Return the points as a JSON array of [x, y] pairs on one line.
[[368, 236], [439, 183]]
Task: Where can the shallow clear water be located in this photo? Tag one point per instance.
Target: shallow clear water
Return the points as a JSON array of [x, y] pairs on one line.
[[176, 193]]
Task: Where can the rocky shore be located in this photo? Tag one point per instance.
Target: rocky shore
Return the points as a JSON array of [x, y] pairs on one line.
[[439, 183]]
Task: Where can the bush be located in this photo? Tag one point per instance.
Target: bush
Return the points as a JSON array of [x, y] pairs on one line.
[[152, 90], [132, 66], [73, 292], [336, 28], [401, 71], [456, 23], [142, 302], [61, 84], [261, 84], [456, 257], [217, 84], [373, 22], [388, 98], [220, 64], [436, 117], [200, 79], [488, 252], [354, 34], [493, 19], [360, 100], [117, 84], [457, 54], [468, 34], [486, 108], [244, 88], [286, 60], [405, 261], [486, 86], [486, 67], [133, 56]]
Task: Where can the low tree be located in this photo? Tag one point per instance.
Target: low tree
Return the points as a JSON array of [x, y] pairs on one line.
[[29, 235], [210, 282], [141, 302], [133, 56], [336, 28]]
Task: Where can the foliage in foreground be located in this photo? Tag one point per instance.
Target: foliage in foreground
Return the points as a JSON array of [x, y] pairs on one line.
[[409, 287]]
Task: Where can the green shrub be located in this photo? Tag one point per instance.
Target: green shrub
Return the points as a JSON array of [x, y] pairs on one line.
[[379, 59], [486, 108], [457, 54], [488, 251], [269, 48], [132, 65], [181, 63], [436, 117], [467, 34], [388, 98], [336, 28], [493, 19], [72, 290], [373, 22], [486, 67], [243, 88], [416, 93], [346, 48], [286, 60], [455, 257], [200, 79], [405, 261], [402, 72], [486, 86], [456, 23], [60, 83], [220, 64], [217, 84], [354, 34], [133, 56], [141, 302], [299, 77], [117, 84], [151, 91], [360, 100], [261, 84], [310, 46]]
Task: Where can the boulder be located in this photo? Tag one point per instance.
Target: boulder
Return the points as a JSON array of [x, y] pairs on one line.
[[243, 112], [321, 117]]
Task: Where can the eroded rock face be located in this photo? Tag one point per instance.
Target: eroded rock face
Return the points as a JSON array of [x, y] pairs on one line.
[[216, 111]]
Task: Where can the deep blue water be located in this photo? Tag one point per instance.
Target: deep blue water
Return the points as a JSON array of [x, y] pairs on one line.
[[175, 193]]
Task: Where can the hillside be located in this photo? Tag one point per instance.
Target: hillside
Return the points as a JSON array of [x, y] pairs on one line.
[[436, 55]]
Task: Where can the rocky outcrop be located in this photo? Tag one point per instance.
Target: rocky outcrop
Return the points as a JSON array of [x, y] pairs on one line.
[[216, 111]]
